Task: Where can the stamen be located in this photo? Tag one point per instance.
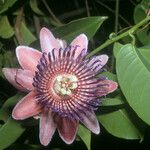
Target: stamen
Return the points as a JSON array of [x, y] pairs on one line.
[[65, 84]]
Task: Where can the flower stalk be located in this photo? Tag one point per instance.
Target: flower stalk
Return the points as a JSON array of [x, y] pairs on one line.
[[120, 36]]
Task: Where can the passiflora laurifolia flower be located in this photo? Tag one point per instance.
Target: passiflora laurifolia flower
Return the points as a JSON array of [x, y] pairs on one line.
[[62, 85]]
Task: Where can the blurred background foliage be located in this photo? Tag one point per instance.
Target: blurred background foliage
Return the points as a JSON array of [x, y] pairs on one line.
[[124, 123]]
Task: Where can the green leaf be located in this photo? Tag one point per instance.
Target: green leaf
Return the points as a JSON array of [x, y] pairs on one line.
[[27, 36], [140, 14], [116, 48], [88, 25], [6, 5], [145, 52], [119, 124], [85, 135], [10, 132], [134, 80], [145, 47], [6, 31], [9, 59], [112, 101], [140, 11], [7, 106], [34, 7], [109, 75]]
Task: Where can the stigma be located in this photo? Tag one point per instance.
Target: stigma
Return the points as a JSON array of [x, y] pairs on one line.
[[64, 85]]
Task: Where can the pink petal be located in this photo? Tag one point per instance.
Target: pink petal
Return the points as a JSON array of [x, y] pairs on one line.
[[36, 116], [82, 42], [10, 74], [47, 127], [62, 43], [67, 129], [48, 41], [26, 107], [91, 122], [25, 78], [103, 59], [28, 57], [109, 86], [97, 62]]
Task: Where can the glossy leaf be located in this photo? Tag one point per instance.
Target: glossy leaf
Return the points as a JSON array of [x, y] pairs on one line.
[[6, 4], [140, 11], [10, 132], [88, 25], [134, 80], [6, 31], [145, 47], [109, 75], [116, 48], [112, 101], [11, 129], [119, 124], [9, 59], [85, 135], [145, 52], [27, 35], [140, 14], [5, 110]]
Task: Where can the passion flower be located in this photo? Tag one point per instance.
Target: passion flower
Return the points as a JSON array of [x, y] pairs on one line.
[[62, 85]]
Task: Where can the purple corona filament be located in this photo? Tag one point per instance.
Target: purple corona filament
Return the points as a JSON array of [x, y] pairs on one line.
[[67, 85]]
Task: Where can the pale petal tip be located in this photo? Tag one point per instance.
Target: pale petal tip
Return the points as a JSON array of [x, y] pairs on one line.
[[83, 38], [91, 122], [112, 86], [15, 115], [83, 35], [96, 130], [67, 141], [104, 58], [23, 47], [20, 48], [10, 75], [44, 30], [44, 141], [8, 72]]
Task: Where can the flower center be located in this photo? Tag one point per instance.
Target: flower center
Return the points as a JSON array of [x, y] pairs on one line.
[[65, 84]]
